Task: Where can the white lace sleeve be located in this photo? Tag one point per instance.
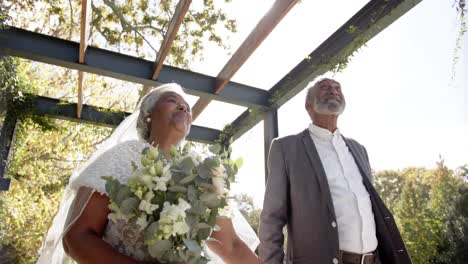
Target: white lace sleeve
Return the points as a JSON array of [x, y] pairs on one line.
[[116, 162]]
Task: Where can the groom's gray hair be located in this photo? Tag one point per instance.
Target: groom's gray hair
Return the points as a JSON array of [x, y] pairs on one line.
[[147, 104]]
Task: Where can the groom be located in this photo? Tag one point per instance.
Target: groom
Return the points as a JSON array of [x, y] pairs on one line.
[[320, 185]]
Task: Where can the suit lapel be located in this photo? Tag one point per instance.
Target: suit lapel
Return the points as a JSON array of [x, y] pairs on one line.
[[317, 166]]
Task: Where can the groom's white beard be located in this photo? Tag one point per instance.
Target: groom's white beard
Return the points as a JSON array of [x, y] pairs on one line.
[[329, 106]]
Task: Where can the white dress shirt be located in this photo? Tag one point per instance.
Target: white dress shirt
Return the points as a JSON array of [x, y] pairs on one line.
[[353, 209]]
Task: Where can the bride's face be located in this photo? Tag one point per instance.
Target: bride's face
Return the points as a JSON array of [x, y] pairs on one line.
[[173, 113]]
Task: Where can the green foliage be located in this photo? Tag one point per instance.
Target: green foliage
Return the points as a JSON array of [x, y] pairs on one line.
[[460, 7], [135, 26], [428, 206], [40, 166]]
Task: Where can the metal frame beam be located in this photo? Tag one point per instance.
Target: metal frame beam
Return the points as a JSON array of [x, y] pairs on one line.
[[64, 53], [270, 128], [6, 138], [369, 21], [99, 116], [261, 31]]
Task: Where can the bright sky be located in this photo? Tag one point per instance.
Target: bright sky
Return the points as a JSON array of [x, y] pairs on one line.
[[401, 103]]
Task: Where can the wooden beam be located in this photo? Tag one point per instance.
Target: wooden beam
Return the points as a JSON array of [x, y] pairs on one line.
[[84, 32], [171, 33], [261, 31]]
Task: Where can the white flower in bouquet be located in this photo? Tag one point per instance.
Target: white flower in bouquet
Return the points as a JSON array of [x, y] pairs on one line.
[[146, 205], [174, 202], [172, 219], [142, 221], [161, 182], [219, 179]]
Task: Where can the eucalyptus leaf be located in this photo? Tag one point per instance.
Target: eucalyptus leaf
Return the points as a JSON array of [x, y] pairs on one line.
[[210, 163], [188, 179], [210, 199], [203, 171], [198, 208], [159, 248], [186, 164], [123, 193], [176, 188], [130, 205], [112, 186], [204, 233], [150, 231], [215, 149], [192, 193], [172, 256], [193, 246], [191, 220]]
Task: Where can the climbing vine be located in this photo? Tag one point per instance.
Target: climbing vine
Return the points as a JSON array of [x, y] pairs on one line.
[[460, 7]]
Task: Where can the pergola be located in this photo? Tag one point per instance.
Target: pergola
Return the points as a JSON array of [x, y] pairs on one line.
[[262, 104]]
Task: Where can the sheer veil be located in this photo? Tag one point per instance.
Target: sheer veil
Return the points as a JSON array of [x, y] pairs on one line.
[[75, 197]]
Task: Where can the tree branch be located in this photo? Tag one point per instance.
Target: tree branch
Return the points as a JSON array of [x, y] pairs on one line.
[[72, 23]]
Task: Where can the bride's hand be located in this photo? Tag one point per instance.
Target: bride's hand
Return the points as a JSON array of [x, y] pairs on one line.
[[229, 246]]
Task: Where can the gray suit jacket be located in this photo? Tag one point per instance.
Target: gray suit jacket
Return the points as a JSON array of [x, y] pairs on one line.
[[297, 195]]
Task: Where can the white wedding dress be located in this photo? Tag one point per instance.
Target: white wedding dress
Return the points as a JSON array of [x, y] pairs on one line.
[[113, 158], [123, 237]]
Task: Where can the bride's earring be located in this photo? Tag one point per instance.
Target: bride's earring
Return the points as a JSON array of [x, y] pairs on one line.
[[148, 120]]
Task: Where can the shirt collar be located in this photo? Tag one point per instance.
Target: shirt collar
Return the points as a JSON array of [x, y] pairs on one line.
[[323, 133]]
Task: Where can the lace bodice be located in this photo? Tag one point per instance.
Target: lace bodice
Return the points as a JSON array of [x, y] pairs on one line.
[[116, 162], [127, 239]]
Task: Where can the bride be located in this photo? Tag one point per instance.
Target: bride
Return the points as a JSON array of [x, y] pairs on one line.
[[81, 230]]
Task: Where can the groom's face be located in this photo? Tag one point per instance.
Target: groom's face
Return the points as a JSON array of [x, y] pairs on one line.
[[328, 98]]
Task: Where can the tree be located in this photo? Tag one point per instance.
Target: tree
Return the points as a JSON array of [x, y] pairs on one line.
[[428, 207], [132, 26]]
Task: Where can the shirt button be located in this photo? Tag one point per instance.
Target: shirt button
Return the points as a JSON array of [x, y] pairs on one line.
[[335, 261], [333, 224]]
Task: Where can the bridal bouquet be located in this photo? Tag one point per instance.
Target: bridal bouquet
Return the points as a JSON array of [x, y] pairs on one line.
[[174, 202]]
